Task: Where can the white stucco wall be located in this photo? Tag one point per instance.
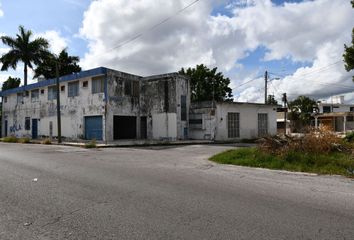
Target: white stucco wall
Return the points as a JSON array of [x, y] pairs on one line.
[[73, 111], [164, 126], [215, 126]]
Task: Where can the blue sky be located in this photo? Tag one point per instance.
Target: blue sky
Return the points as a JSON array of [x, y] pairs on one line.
[[291, 41]]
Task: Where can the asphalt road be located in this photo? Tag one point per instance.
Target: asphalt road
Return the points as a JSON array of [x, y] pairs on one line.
[[163, 193]]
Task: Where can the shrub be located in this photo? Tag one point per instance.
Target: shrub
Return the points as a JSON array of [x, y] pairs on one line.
[[47, 141], [321, 140], [24, 140], [349, 137], [10, 139], [91, 144]]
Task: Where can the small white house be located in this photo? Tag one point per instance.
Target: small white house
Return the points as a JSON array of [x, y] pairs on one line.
[[223, 121]]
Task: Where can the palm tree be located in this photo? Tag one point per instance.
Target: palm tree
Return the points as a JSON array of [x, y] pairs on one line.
[[24, 50], [67, 65]]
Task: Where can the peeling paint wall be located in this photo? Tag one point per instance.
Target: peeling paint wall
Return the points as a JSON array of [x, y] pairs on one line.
[[124, 95], [73, 111]]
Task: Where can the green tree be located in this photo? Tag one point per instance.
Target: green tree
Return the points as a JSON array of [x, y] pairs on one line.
[[271, 100], [67, 65], [301, 109], [22, 49], [11, 83], [349, 52], [208, 84]]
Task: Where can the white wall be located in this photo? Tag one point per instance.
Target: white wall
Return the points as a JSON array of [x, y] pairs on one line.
[[215, 127], [164, 126], [73, 111]]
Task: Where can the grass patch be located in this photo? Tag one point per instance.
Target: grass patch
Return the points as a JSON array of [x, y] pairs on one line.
[[46, 141], [24, 140], [10, 139], [91, 144], [328, 163]]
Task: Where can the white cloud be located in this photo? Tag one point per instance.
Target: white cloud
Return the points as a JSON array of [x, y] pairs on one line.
[[309, 31], [1, 11], [56, 41]]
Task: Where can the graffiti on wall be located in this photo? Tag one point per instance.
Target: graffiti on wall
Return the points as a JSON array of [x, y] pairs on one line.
[[15, 127]]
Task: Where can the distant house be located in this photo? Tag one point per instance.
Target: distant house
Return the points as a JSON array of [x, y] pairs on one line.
[[224, 121], [337, 115]]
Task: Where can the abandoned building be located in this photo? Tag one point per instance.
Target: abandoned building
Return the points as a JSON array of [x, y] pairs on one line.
[[223, 121], [101, 104]]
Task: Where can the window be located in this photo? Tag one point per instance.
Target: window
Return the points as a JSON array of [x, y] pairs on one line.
[[85, 84], [5, 99], [350, 118], [196, 121], [262, 124], [34, 95], [127, 88], [27, 93], [326, 109], [62, 88], [233, 125], [136, 89], [98, 85], [183, 108], [42, 91], [52, 93], [19, 98], [27, 123], [73, 89], [351, 109]]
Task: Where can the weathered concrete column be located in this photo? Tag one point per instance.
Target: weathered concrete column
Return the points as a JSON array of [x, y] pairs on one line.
[[344, 123], [316, 122]]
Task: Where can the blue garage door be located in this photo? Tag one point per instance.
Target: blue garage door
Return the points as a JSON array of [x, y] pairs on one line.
[[93, 128]]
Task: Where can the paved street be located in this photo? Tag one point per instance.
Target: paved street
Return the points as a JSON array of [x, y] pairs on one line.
[[163, 193]]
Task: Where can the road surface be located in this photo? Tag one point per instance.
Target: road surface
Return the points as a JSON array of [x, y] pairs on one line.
[[58, 192]]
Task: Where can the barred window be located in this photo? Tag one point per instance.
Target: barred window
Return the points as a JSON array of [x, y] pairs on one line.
[[136, 89], [27, 123], [97, 85], [184, 108], [233, 125], [34, 95], [19, 98], [73, 89], [262, 124], [52, 93], [127, 88]]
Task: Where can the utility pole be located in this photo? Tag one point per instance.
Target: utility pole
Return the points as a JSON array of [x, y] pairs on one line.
[[58, 102], [265, 86], [285, 101]]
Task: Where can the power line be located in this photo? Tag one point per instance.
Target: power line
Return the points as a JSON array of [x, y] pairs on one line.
[[257, 78], [135, 37], [325, 68]]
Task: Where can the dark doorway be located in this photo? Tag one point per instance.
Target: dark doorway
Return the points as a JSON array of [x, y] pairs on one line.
[[34, 128], [143, 127], [124, 127], [5, 129]]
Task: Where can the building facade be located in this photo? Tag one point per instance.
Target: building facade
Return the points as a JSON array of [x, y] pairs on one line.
[[228, 121], [101, 104]]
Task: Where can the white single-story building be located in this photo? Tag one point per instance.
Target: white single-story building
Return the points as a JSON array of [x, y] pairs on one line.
[[225, 121]]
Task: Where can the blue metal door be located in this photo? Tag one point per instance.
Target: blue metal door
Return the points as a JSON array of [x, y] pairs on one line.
[[5, 129], [34, 128], [93, 128]]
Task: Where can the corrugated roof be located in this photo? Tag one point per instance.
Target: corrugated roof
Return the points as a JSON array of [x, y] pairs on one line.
[[49, 82]]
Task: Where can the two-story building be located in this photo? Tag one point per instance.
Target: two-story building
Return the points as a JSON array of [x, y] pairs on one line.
[[101, 104], [336, 115]]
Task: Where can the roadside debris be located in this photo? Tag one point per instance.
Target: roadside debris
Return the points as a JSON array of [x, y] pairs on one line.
[[35, 179], [26, 224]]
